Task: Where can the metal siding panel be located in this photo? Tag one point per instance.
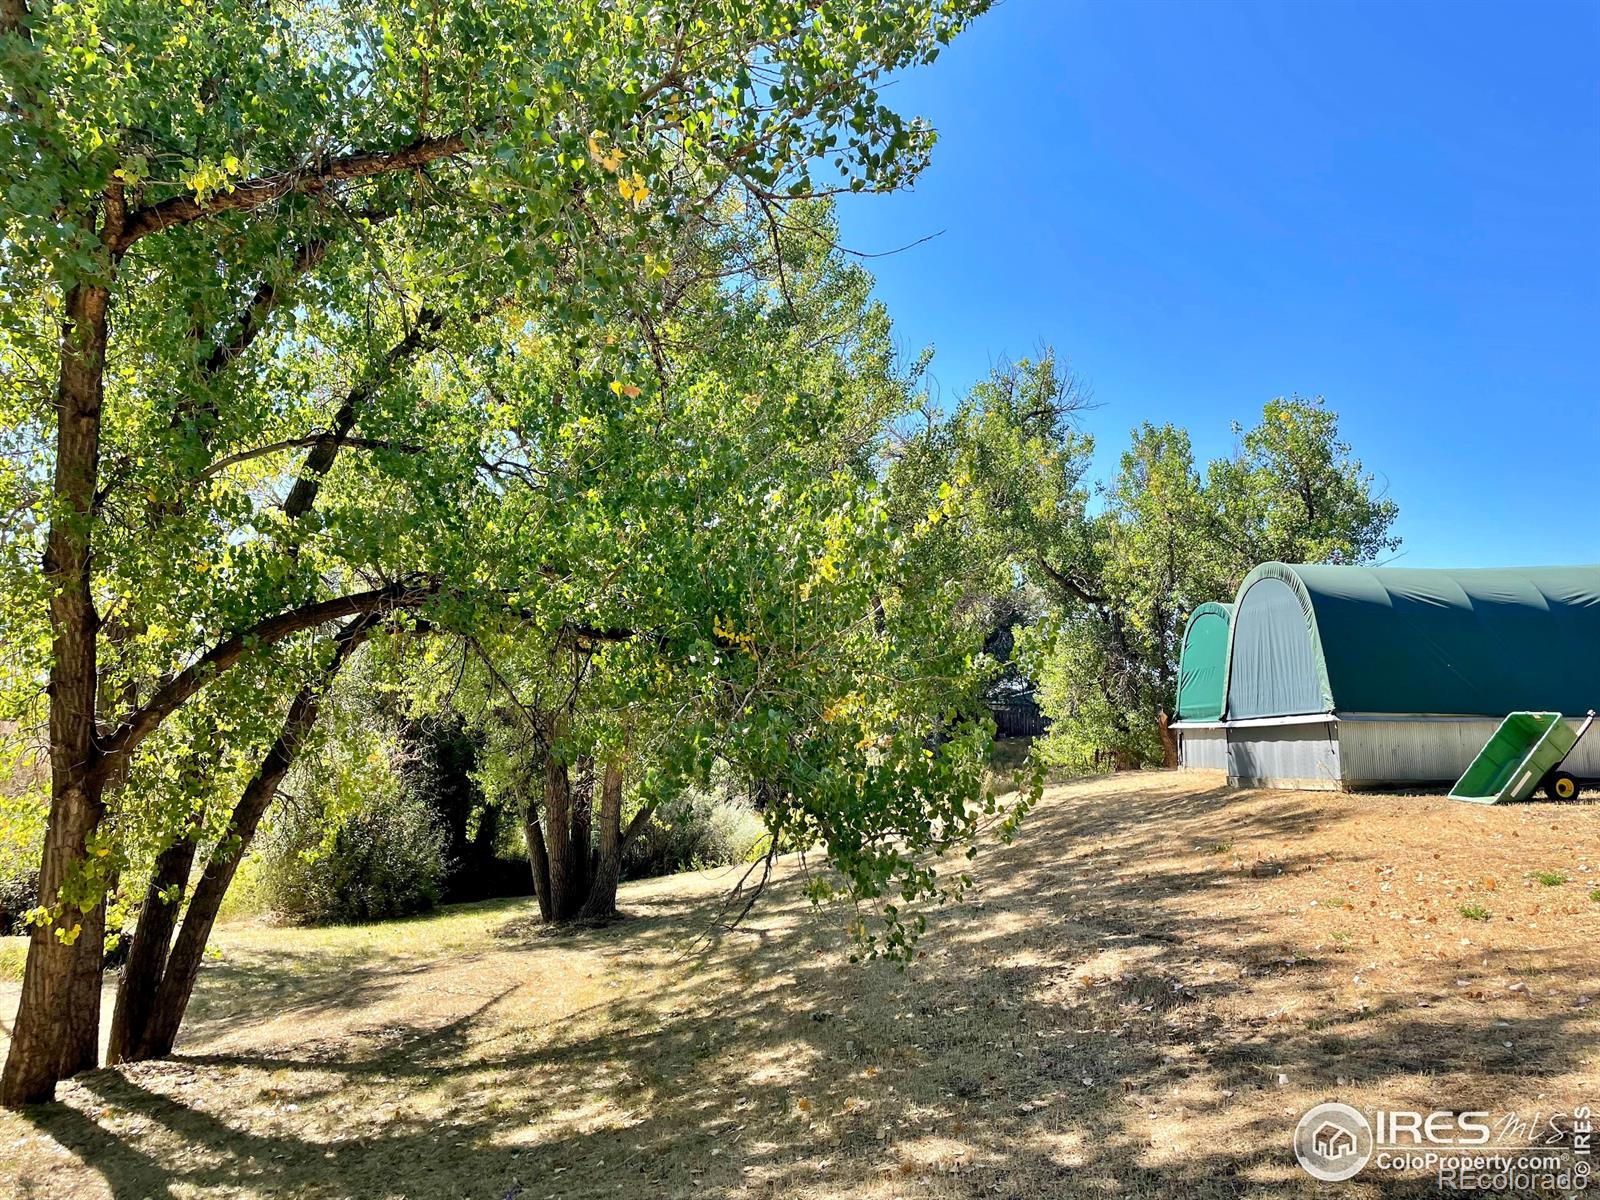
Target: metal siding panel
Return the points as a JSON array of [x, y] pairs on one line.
[[1203, 749], [1288, 756], [1433, 751]]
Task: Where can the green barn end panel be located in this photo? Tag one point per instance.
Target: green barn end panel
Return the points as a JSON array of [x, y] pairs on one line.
[[1203, 663], [1315, 639]]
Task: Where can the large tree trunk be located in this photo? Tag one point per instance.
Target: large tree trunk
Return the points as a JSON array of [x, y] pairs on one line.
[[582, 809], [539, 860], [565, 873], [53, 1036], [1169, 740], [80, 1049], [602, 901], [147, 959], [57, 1027], [146, 1022]]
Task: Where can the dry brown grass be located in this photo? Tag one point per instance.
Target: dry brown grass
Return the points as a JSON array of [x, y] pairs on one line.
[[1138, 1000]]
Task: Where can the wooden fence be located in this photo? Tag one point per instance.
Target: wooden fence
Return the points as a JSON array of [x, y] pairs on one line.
[[1018, 716]]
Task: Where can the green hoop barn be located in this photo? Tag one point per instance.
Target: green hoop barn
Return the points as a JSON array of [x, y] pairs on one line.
[[1345, 676]]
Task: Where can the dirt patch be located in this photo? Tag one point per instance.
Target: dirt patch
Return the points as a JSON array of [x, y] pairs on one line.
[[1138, 999]]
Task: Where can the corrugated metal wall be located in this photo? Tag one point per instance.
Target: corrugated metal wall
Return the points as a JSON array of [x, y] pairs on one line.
[[1375, 751], [1355, 751], [1203, 749], [1288, 756]]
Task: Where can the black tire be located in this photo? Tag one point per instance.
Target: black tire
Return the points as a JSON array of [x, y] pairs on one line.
[[1561, 786]]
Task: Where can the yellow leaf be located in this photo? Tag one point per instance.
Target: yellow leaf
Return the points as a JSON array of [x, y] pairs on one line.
[[607, 157], [633, 189]]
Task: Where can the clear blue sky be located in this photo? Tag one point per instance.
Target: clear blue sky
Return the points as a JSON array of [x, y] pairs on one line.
[[1205, 205]]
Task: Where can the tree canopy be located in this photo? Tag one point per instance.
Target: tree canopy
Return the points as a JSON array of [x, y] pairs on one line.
[[1110, 570], [341, 322]]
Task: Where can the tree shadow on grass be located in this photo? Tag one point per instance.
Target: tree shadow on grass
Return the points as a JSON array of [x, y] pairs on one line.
[[1076, 1030]]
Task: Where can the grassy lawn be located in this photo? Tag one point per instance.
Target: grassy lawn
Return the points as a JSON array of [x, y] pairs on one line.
[[1139, 999]]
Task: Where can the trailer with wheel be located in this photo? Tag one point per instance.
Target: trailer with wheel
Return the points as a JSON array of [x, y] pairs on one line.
[[1528, 752]]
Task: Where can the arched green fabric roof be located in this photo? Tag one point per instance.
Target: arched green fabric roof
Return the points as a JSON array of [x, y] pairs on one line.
[[1485, 642], [1203, 663]]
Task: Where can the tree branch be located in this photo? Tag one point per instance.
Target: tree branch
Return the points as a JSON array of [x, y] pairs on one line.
[[179, 687], [580, 633], [254, 318], [1068, 584], [301, 443], [326, 447], [254, 193]]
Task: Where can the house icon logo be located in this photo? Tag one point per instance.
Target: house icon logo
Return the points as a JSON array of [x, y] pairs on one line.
[[1333, 1142]]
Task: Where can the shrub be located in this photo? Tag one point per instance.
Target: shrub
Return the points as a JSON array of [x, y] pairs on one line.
[[1474, 912], [13, 959], [24, 806], [385, 859], [247, 895], [354, 844], [19, 891], [695, 831]]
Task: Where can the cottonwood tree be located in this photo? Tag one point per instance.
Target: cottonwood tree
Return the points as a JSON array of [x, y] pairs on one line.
[[242, 246], [1169, 537], [1121, 563], [728, 583]]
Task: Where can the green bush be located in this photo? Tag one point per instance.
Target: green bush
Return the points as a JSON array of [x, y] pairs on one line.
[[385, 859], [23, 810], [19, 891], [695, 831], [247, 894]]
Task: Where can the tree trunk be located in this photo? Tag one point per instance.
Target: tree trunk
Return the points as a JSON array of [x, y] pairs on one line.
[[1169, 740], [80, 1049], [183, 963], [57, 1027], [150, 1027], [539, 860], [56, 1033], [147, 959], [602, 901], [582, 809], [564, 872]]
